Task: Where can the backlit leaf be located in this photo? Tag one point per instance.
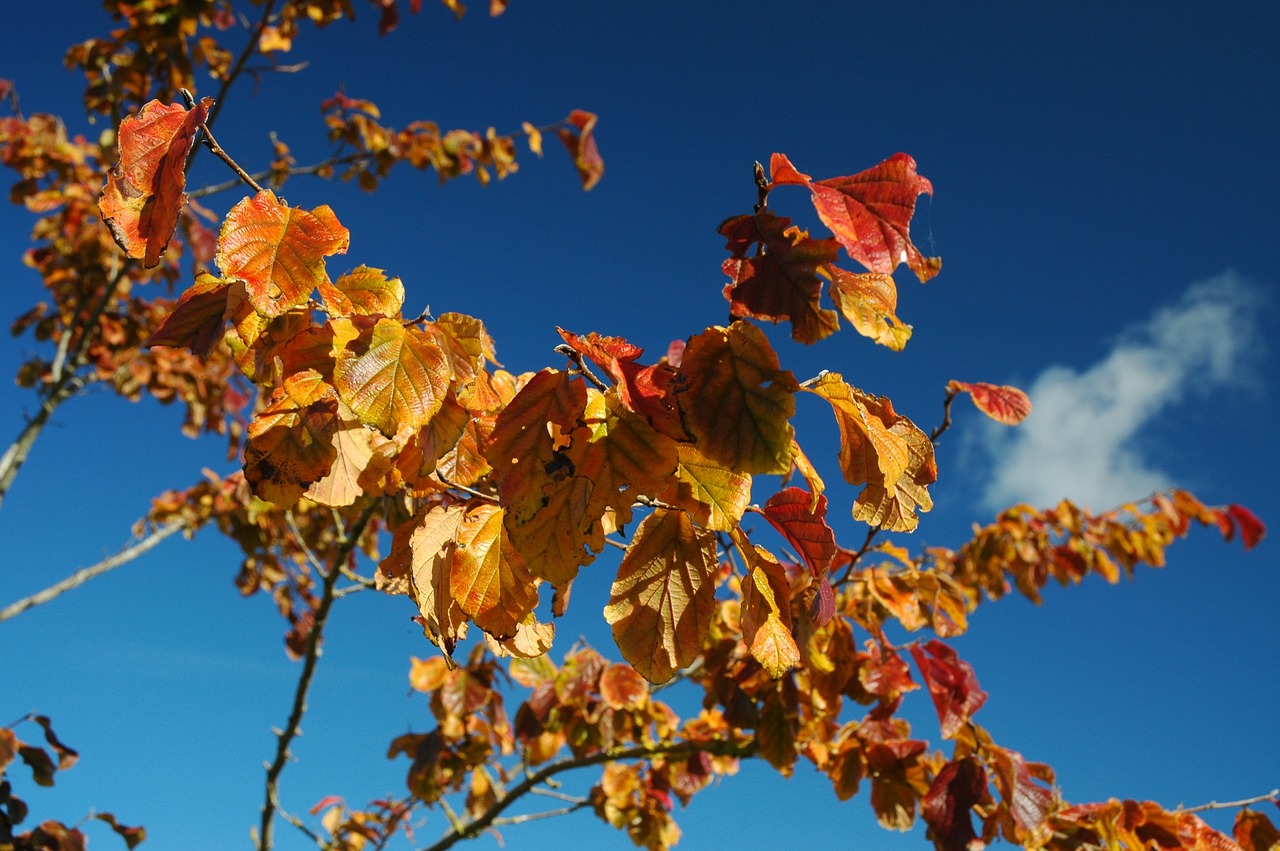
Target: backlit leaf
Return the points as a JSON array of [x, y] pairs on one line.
[[804, 527], [662, 602], [1004, 404], [869, 450], [736, 401], [365, 291], [432, 546], [952, 684], [624, 457], [580, 141], [353, 449], [869, 212], [392, 377], [144, 193], [947, 805], [488, 578], [782, 281], [869, 301], [766, 610], [1254, 831], [278, 250], [291, 440], [198, 319], [1252, 530], [714, 496], [894, 507]]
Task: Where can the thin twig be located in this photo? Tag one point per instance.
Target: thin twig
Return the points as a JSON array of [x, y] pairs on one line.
[[212, 144], [80, 577], [1273, 795], [311, 657], [580, 365], [478, 825], [527, 817]]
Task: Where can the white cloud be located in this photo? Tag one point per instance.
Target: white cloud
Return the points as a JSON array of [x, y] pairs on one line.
[[1083, 438]]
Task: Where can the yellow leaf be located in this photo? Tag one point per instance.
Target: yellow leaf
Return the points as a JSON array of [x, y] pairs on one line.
[[869, 450], [488, 577], [868, 301], [392, 377], [714, 496]]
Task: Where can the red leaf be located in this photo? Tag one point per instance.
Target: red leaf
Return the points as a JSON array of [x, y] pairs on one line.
[[1252, 530], [1002, 403], [582, 147], [144, 192], [198, 319], [869, 212], [952, 685], [805, 528], [958, 786]]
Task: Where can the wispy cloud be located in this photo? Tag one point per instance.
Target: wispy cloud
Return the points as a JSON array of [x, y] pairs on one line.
[[1083, 438]]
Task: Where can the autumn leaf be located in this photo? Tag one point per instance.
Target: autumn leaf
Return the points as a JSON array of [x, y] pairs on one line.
[[714, 496], [946, 806], [869, 212], [624, 457], [1252, 530], [278, 250], [144, 193], [291, 440], [365, 291], [766, 609], [432, 544], [661, 604], [781, 282], [869, 301], [392, 377], [894, 507], [869, 450], [736, 401], [1254, 831], [1004, 404], [804, 525], [488, 578], [952, 684], [353, 447], [579, 139], [198, 320]]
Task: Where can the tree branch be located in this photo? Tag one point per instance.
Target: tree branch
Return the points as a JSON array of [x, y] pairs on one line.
[[80, 577], [311, 657], [478, 825], [1274, 794]]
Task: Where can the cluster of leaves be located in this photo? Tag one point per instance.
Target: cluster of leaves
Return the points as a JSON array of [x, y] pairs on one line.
[[49, 835], [495, 484]]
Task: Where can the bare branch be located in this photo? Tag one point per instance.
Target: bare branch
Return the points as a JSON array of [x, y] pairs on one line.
[[311, 657], [80, 577], [1273, 795]]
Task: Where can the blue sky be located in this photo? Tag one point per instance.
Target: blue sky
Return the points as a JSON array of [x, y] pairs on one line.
[[1105, 206]]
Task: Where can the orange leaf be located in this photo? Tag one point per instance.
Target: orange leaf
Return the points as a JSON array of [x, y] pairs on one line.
[[869, 212], [488, 577], [662, 602], [198, 319], [392, 377], [278, 251], [1254, 831], [1004, 404], [144, 193], [353, 447], [869, 450], [624, 457], [582, 146], [736, 401], [766, 610], [782, 281], [869, 301], [291, 440]]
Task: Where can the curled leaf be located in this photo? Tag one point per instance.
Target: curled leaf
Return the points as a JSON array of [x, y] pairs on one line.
[[1003, 403]]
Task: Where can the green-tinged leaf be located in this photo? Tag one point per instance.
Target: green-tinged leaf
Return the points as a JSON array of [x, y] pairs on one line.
[[714, 496], [736, 401], [870, 302], [662, 602]]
